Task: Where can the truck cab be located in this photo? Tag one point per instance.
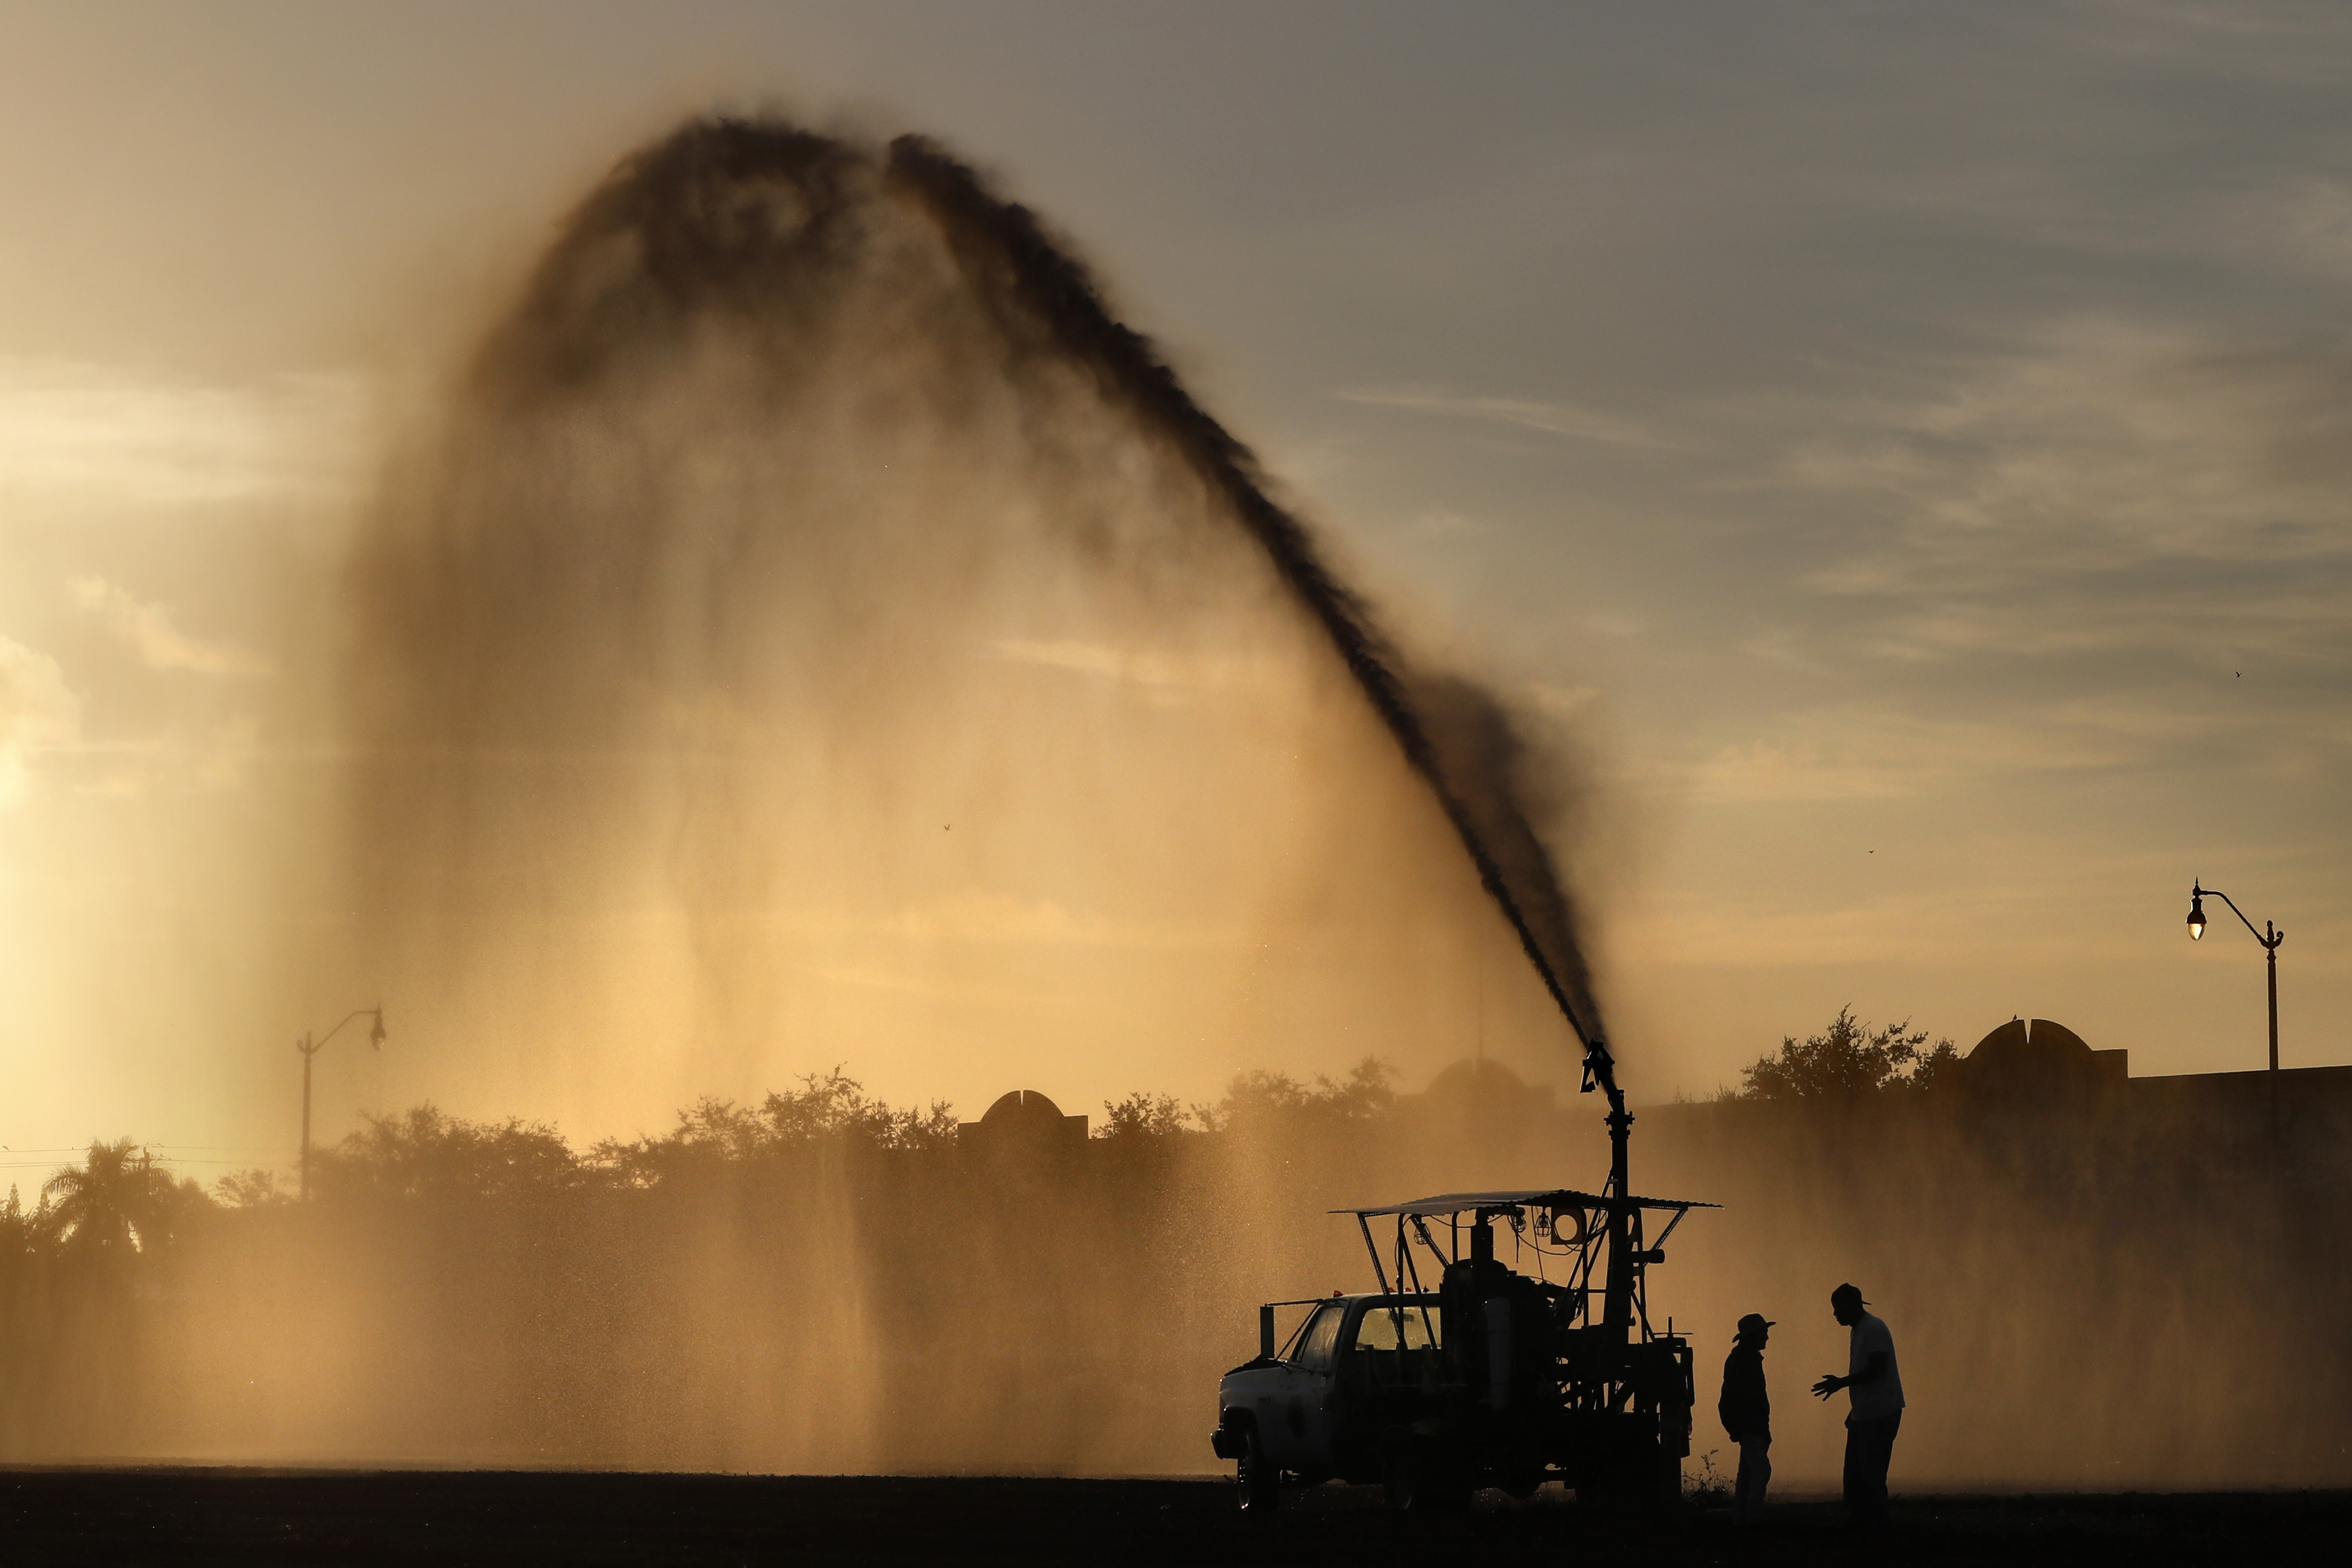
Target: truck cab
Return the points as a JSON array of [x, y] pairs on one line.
[[1357, 1368]]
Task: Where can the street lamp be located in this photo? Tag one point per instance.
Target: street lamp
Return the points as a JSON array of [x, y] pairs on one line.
[[2269, 936], [310, 1047]]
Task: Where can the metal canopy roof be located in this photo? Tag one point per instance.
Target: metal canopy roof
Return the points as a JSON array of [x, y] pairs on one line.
[[1553, 1198]]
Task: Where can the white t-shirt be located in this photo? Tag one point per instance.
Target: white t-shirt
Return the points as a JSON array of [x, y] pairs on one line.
[[1883, 1397]]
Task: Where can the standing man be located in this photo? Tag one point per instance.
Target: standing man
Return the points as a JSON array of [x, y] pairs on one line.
[[1876, 1390], [1746, 1414]]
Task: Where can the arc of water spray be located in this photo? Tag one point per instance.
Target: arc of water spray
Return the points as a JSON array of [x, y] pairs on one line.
[[671, 203], [992, 236]]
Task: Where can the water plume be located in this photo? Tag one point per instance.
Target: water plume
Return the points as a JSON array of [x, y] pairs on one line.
[[697, 629], [1036, 285]]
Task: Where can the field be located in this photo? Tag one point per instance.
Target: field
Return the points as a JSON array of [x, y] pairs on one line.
[[208, 1516]]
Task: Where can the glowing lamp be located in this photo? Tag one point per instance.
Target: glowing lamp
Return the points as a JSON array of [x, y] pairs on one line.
[[375, 1035], [2196, 917]]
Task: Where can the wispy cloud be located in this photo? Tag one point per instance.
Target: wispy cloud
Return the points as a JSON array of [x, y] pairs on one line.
[[2108, 442], [1882, 752], [977, 916], [148, 628], [1887, 755], [39, 713], [1167, 676], [121, 435], [1526, 413], [2105, 487]]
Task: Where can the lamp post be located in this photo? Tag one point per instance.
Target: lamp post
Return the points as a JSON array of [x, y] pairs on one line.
[[2270, 937], [310, 1047]]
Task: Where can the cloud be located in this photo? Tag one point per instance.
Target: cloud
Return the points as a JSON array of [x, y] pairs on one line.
[[147, 628], [1447, 524], [39, 713], [119, 435], [1167, 676], [1924, 927], [977, 916], [1551, 419], [2301, 42], [1876, 750], [1843, 755], [1559, 701], [2103, 487], [2107, 444]]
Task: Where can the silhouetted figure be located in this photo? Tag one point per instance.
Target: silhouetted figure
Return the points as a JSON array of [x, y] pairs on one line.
[[1875, 1388], [1747, 1414]]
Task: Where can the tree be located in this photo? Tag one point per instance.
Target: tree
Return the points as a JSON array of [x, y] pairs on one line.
[[1260, 1096], [1144, 1115], [828, 1109], [1848, 1060], [18, 1230], [427, 1153], [116, 1200], [251, 1190], [834, 1106], [1931, 1066]]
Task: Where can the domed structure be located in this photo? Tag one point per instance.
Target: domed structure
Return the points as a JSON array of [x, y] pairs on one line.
[[1488, 1087], [1024, 1121], [2042, 1063]]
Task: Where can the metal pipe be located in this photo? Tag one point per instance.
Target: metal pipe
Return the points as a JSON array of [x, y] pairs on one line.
[[1617, 1302], [1366, 1226]]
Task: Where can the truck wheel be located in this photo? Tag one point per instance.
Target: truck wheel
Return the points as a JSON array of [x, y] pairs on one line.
[[1257, 1485], [1416, 1483]]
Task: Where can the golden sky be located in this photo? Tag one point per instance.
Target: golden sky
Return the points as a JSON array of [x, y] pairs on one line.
[[1910, 446]]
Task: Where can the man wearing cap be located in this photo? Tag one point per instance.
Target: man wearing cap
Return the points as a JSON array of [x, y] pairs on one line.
[[1746, 1414], [1875, 1388]]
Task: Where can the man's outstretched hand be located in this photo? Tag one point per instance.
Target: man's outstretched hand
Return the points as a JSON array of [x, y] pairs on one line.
[[1830, 1385]]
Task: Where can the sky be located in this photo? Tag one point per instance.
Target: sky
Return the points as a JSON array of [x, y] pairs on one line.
[[1910, 446]]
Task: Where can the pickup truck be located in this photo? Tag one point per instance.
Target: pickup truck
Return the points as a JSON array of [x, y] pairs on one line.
[[1496, 1378]]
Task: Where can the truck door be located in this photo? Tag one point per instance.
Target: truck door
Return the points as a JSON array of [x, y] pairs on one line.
[[1294, 1424]]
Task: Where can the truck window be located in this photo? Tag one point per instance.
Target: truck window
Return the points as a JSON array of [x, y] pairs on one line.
[[1406, 1328], [1322, 1336]]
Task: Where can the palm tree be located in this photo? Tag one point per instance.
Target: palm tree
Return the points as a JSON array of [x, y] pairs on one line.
[[116, 1202], [17, 1228]]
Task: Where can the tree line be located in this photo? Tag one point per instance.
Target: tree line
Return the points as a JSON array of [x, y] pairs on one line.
[[122, 1200]]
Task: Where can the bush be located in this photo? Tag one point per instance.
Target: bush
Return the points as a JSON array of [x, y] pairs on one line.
[[1848, 1060]]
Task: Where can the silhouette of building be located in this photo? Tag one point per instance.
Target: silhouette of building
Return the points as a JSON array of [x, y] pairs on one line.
[[1021, 1124], [2024, 1070]]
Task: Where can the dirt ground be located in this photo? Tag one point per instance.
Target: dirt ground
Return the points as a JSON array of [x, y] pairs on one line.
[[207, 1515]]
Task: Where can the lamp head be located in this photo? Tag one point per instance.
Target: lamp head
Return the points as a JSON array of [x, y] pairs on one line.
[[2196, 915], [375, 1033]]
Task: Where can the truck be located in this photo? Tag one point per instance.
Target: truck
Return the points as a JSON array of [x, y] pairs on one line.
[[1482, 1373]]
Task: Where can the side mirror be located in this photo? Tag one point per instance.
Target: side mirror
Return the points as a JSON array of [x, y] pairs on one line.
[[1266, 1333]]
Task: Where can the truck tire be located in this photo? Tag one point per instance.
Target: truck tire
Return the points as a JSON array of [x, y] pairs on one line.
[[1257, 1485], [1419, 1483]]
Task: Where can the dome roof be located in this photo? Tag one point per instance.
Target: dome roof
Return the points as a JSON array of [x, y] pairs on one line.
[[1477, 1077], [2037, 1061], [1022, 1107], [2036, 1047]]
